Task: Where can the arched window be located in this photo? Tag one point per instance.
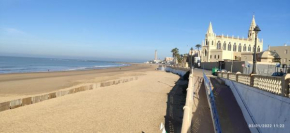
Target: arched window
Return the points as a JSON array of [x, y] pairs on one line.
[[240, 47], [230, 47], [258, 49], [206, 42], [249, 48], [215, 56], [225, 46], [218, 45], [212, 43], [218, 56], [205, 52], [245, 48], [235, 47]]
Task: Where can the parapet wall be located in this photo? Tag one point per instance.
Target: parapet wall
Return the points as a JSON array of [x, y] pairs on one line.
[[176, 70], [264, 112], [75, 89]]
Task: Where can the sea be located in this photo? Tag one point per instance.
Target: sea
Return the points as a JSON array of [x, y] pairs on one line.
[[30, 64]]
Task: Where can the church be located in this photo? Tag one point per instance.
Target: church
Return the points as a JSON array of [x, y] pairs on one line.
[[220, 47]]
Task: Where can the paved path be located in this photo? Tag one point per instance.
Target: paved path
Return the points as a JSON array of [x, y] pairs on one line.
[[230, 114], [201, 120]]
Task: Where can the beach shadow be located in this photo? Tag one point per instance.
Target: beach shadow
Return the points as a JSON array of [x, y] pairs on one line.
[[175, 102]]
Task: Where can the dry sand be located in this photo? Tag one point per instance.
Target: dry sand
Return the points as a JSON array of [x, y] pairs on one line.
[[13, 86], [131, 107]]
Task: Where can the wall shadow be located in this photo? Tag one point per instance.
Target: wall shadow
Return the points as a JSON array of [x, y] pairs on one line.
[[175, 102]]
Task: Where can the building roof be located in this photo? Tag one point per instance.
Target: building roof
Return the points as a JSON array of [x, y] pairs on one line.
[[269, 54]]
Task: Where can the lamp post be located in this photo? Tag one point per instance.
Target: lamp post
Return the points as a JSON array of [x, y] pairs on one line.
[[191, 51], [257, 30]]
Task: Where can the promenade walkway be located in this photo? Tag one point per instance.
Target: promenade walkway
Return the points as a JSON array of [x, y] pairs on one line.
[[201, 119], [230, 115]]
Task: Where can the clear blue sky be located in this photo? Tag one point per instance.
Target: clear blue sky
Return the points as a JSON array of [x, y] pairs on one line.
[[131, 29]]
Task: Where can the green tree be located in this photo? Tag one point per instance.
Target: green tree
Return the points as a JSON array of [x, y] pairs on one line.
[[198, 46], [175, 54]]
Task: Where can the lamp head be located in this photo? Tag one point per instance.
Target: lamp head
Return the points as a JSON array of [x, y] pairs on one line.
[[257, 29]]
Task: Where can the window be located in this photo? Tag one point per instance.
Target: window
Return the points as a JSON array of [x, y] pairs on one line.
[[245, 48], [285, 60], [249, 48], [286, 51], [258, 49], [215, 56], [210, 56], [205, 53], [218, 56], [229, 47], [240, 47], [218, 45], [225, 46], [235, 47], [212, 43]]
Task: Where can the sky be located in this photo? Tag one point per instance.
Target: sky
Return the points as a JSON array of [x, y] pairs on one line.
[[131, 30]]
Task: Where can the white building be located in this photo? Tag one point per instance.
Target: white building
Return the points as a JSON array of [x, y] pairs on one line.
[[219, 47]]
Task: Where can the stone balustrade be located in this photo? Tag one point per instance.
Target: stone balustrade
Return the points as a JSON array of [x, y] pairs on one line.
[[288, 87], [268, 83], [233, 76], [276, 85], [244, 78]]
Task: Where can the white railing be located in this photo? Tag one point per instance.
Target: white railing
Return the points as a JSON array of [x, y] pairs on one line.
[[276, 85], [232, 76], [268, 83], [187, 113], [245, 79]]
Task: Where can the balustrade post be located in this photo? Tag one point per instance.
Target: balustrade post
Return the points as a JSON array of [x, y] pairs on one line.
[[252, 77], [228, 75], [285, 85], [237, 77]]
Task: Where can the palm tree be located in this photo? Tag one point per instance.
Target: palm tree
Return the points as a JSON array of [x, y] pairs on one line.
[[198, 46], [175, 53]]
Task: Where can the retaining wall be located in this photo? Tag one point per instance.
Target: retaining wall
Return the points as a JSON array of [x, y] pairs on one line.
[[35, 99], [178, 71], [261, 108]]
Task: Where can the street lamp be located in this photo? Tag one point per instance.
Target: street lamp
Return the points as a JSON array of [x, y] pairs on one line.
[[191, 52], [257, 30]]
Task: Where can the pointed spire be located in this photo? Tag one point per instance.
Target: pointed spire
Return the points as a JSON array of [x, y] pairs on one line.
[[253, 24], [209, 28]]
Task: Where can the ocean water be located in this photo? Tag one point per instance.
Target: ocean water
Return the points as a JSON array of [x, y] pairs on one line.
[[28, 64]]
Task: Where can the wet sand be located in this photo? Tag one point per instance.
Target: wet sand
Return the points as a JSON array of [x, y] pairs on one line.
[[131, 107]]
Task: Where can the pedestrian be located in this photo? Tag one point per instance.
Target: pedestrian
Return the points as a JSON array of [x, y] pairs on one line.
[[281, 72]]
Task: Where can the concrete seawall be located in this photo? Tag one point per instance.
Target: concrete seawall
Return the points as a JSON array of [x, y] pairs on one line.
[[75, 89], [263, 111], [178, 71]]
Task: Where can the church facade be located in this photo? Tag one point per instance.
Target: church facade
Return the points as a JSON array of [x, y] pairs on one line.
[[219, 47]]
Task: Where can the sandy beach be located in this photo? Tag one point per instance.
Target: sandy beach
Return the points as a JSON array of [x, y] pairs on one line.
[[20, 85], [135, 106]]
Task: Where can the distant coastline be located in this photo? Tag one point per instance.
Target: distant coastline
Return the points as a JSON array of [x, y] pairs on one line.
[[9, 64]]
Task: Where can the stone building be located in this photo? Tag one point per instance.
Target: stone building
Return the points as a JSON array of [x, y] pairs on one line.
[[219, 47], [284, 53]]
